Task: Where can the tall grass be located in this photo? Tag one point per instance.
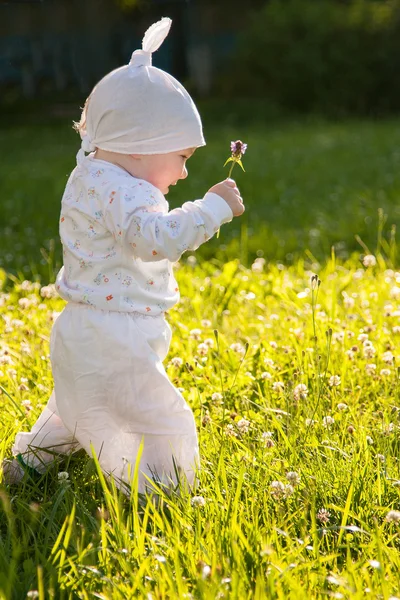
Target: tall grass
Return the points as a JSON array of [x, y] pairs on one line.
[[299, 440]]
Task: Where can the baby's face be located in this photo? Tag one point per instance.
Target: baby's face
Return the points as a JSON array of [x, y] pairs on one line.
[[163, 170]]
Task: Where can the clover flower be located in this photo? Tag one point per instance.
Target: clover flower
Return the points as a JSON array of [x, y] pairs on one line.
[[198, 501], [238, 148], [323, 516], [393, 516]]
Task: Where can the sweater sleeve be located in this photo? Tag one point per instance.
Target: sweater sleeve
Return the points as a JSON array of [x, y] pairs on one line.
[[155, 234]]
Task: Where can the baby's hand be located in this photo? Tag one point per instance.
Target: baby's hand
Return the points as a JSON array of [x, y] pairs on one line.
[[229, 192]]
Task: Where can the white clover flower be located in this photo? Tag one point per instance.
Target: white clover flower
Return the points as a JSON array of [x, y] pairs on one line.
[[49, 291], [381, 458], [268, 361], [206, 323], [278, 386], [258, 265], [238, 348], [63, 476], [323, 516], [267, 435], [369, 440], [334, 381], [230, 431], [396, 329], [195, 334], [348, 302], [293, 477], [273, 345], [385, 372], [338, 336], [393, 516], [277, 489], [388, 358], [198, 501], [363, 337], [209, 342], [24, 303], [369, 351], [300, 391], [202, 349], [326, 421], [350, 354], [217, 397], [311, 422], [369, 260], [27, 405], [395, 292], [266, 375], [243, 425], [176, 361], [370, 369], [32, 594], [342, 406]]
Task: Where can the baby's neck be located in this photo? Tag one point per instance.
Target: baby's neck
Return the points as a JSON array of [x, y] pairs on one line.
[[121, 160]]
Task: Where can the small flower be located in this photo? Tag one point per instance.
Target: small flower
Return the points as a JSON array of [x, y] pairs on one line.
[[266, 375], [311, 422], [293, 477], [202, 349], [369, 260], [385, 372], [334, 381], [370, 369], [243, 425], [195, 334], [326, 421], [238, 148], [342, 406], [381, 458], [217, 397], [277, 489], [300, 392], [388, 358], [369, 440], [278, 386], [176, 361], [393, 516], [238, 348], [63, 476], [323, 516], [198, 501]]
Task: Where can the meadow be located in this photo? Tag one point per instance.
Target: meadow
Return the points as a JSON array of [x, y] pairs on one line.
[[286, 351]]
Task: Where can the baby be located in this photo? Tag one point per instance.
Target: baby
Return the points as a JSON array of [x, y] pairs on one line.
[[111, 393]]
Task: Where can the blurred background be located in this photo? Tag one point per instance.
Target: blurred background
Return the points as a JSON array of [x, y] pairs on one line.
[[311, 86]]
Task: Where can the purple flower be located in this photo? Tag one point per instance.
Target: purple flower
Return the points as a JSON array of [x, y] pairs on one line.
[[238, 148]]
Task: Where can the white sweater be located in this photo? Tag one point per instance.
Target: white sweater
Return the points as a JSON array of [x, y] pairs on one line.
[[120, 240]]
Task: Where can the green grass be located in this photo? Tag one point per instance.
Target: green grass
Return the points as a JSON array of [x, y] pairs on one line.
[[308, 185], [80, 539]]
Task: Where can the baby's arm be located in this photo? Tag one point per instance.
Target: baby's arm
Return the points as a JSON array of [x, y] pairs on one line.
[[155, 235]]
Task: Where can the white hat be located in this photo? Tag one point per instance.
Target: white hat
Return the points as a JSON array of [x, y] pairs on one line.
[[140, 109]]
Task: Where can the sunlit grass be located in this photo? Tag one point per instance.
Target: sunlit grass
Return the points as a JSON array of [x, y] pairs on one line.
[[299, 438]]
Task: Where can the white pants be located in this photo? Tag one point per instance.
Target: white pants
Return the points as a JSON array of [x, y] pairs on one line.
[[111, 393]]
